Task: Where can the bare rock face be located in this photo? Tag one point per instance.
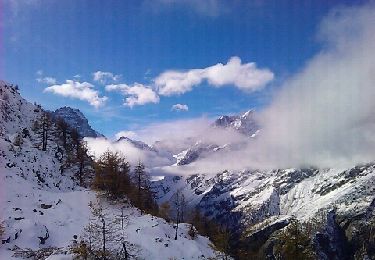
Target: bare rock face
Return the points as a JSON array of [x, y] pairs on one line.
[[75, 119]]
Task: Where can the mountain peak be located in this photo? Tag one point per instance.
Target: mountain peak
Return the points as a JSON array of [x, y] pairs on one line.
[[244, 123], [76, 119]]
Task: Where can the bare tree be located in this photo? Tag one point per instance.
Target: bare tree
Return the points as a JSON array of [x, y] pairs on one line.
[[178, 201]]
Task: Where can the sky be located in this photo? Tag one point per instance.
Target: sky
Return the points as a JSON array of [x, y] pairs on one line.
[[131, 64]]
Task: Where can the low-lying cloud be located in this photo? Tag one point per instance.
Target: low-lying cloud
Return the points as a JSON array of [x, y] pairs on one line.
[[324, 115], [97, 146]]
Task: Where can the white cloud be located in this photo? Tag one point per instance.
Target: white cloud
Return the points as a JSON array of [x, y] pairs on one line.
[[39, 72], [137, 94], [83, 91], [47, 80], [180, 107], [129, 134], [246, 77], [105, 77], [178, 135]]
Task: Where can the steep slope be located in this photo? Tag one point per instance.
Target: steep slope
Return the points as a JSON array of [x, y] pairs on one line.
[[42, 207], [257, 195], [39, 197], [259, 203]]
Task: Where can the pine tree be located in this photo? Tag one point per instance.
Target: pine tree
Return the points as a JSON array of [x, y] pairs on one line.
[[76, 139], [43, 127], [294, 242], [112, 174], [141, 181], [222, 241], [62, 130], [178, 205], [84, 163]]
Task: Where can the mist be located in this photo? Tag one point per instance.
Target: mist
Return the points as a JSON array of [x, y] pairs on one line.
[[324, 116], [97, 146]]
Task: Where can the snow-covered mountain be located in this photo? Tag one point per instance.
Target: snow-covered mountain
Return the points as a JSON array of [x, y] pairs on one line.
[[197, 151], [43, 206], [245, 123], [260, 200], [76, 119], [44, 210]]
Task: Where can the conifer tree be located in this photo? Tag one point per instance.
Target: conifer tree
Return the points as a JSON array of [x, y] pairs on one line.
[[112, 174], [43, 127], [62, 130], [84, 162]]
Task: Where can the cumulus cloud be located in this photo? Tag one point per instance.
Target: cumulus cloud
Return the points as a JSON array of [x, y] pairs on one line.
[[137, 94], [47, 80], [105, 77], [75, 89], [246, 77], [180, 107]]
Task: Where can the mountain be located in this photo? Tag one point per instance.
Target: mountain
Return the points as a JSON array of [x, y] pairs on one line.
[[245, 123], [195, 152], [137, 144], [76, 120], [260, 203], [44, 208]]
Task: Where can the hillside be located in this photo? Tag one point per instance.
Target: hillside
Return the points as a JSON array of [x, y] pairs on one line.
[[45, 207]]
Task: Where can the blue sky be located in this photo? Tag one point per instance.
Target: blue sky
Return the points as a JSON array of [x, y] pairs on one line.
[[53, 41]]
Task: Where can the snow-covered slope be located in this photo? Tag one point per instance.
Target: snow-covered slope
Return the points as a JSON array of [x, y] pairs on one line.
[[197, 151], [37, 197], [241, 199], [42, 207]]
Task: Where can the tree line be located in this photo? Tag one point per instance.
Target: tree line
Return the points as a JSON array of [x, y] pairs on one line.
[[54, 135]]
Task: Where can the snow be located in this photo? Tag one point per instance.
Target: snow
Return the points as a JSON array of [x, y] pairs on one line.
[[35, 197]]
